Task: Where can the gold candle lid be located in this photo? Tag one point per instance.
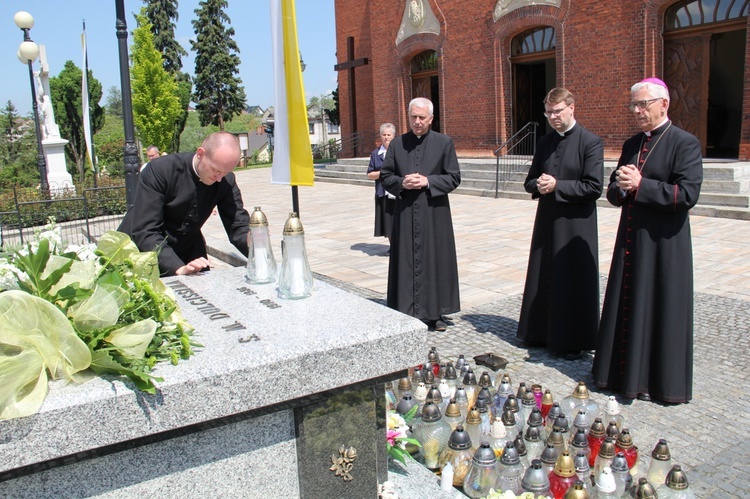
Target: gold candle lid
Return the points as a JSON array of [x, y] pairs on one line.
[[258, 218], [293, 226]]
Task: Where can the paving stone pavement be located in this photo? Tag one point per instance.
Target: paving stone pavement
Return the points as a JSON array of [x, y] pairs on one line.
[[493, 236]]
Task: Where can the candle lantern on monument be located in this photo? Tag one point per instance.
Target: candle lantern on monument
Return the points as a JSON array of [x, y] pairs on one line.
[[676, 485], [596, 436], [605, 485], [483, 473], [563, 476], [547, 402], [453, 415], [261, 265], [295, 278], [535, 480], [532, 437], [473, 426], [523, 453], [612, 413], [511, 469], [458, 454], [661, 463], [621, 472], [625, 445], [504, 389], [643, 490], [579, 400], [462, 400], [433, 433], [583, 470]]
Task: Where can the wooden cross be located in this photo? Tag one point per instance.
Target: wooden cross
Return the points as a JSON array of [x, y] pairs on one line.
[[349, 65]]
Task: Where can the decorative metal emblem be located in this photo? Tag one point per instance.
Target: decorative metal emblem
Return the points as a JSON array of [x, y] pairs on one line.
[[342, 465]]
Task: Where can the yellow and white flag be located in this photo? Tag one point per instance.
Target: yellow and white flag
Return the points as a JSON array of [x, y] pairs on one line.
[[292, 157], [85, 112]]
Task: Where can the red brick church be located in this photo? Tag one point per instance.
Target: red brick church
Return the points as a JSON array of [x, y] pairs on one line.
[[487, 64]]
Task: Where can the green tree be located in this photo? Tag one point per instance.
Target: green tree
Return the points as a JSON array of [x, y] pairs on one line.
[[113, 102], [10, 143], [219, 95], [163, 15], [333, 112], [17, 149], [109, 143], [156, 105], [65, 90]]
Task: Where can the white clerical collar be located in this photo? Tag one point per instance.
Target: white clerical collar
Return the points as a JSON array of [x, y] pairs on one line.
[[648, 134], [195, 169], [562, 134]]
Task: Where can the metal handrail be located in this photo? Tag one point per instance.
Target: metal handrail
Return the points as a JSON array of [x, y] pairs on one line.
[[521, 146]]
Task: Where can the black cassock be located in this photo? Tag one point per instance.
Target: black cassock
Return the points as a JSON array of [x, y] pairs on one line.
[[171, 205], [645, 342], [560, 306], [422, 272]]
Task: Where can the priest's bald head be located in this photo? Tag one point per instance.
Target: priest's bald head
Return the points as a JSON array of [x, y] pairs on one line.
[[217, 156], [649, 103]]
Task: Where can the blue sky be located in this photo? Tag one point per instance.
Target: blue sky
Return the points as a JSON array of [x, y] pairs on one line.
[[58, 26]]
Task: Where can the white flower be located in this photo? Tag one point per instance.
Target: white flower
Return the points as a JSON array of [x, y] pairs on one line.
[[84, 253], [10, 275], [395, 421]]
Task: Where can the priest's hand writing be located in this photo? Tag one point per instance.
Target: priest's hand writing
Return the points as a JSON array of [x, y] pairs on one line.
[[192, 267], [628, 178], [546, 183], [414, 181]]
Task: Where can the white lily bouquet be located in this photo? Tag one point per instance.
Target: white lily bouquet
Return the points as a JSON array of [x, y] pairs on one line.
[[63, 311]]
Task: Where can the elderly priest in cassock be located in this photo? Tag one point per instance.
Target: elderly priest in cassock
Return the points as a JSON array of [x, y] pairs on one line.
[[560, 308], [175, 196], [645, 344], [420, 169]]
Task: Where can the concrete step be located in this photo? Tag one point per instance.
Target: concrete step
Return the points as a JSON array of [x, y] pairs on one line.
[[725, 192]]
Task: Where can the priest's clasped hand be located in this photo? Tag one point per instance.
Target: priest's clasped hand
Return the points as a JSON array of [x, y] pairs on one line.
[[628, 178], [546, 183], [414, 181]]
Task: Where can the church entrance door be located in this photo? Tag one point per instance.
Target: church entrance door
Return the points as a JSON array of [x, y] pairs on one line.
[[704, 68], [534, 73], [425, 82]]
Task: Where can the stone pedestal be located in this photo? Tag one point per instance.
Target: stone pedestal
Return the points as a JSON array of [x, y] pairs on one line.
[[261, 410], [57, 171]]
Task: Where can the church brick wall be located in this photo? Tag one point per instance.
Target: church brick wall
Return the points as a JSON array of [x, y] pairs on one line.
[[602, 48]]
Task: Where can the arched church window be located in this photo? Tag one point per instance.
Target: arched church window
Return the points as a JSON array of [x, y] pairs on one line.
[[687, 13], [424, 61], [534, 40]]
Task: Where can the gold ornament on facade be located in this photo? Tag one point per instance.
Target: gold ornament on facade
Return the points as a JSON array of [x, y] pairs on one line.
[[343, 464]]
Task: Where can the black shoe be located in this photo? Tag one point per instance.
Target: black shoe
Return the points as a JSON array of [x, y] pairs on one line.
[[645, 397], [573, 355], [440, 325]]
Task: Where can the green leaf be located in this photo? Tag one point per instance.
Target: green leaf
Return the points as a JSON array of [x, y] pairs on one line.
[[35, 263], [410, 415], [116, 246], [133, 339], [103, 363], [23, 379]]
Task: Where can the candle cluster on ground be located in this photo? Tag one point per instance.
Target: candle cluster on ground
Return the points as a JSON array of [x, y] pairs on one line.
[[492, 440]]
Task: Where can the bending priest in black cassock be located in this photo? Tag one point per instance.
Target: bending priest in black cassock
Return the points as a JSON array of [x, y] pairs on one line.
[[645, 345], [175, 196], [560, 308], [420, 169]]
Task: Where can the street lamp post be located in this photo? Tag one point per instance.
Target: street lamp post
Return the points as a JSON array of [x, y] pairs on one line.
[[27, 53], [130, 151]]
